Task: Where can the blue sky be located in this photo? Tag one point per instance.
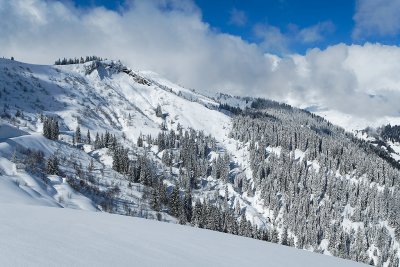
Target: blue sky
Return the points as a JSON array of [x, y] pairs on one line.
[[285, 18], [283, 15]]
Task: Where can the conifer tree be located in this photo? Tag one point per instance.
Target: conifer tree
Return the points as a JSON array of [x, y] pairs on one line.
[[159, 111], [175, 202], [188, 208], [50, 128], [52, 165], [284, 236], [88, 139], [97, 142], [78, 137], [140, 141]]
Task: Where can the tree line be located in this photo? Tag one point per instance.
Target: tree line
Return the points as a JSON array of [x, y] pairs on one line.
[[81, 60]]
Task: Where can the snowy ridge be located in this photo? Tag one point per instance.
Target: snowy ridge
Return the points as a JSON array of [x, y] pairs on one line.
[[103, 96]]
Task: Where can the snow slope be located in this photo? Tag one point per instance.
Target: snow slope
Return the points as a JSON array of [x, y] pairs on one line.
[[109, 96], [42, 236]]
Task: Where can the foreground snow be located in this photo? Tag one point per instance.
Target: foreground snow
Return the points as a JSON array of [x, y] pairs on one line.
[[43, 236]]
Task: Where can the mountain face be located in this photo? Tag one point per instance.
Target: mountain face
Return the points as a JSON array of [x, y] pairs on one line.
[[100, 136]]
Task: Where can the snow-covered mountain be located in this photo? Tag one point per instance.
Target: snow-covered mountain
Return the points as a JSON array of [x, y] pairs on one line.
[[98, 96], [99, 136]]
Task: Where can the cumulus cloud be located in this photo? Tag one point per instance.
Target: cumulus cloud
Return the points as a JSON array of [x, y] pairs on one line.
[[316, 33], [152, 35], [170, 37], [273, 39], [358, 80], [376, 18]]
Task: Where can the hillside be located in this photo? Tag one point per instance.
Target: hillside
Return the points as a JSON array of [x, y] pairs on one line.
[[99, 136], [41, 236]]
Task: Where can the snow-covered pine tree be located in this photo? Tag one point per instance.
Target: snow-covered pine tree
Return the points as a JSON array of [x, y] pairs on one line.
[[140, 141], [88, 138], [175, 202], [159, 111], [52, 164], [78, 137]]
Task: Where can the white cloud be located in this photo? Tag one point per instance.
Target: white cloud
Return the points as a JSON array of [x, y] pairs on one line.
[[175, 42], [376, 18], [237, 17], [274, 40], [172, 41], [358, 80], [315, 33]]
